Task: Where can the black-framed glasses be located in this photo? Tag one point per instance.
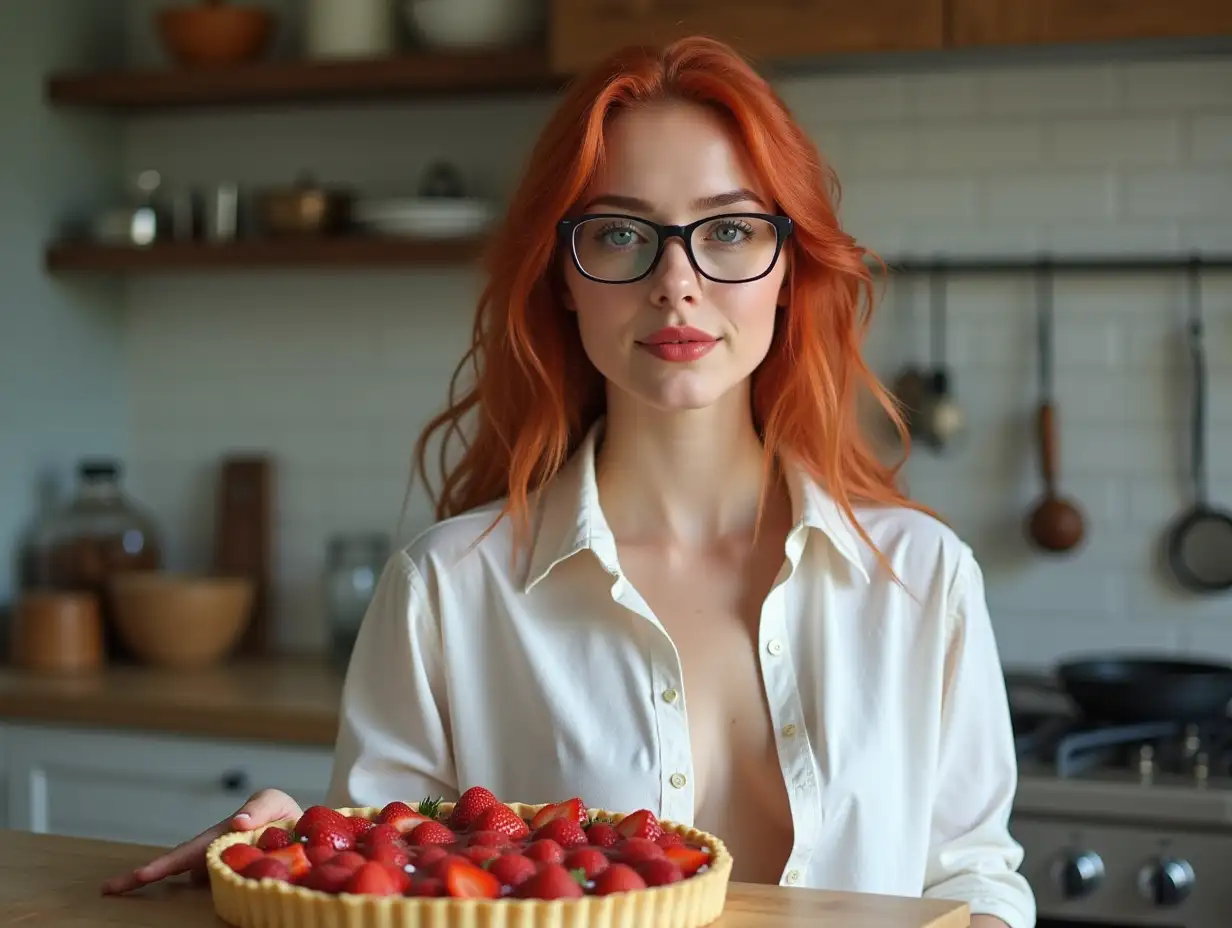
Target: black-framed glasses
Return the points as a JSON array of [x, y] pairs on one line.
[[734, 248]]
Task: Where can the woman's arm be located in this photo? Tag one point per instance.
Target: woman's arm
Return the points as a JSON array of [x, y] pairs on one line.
[[393, 735], [972, 857]]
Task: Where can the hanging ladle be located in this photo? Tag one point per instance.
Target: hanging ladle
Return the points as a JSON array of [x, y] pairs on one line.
[[1055, 524]]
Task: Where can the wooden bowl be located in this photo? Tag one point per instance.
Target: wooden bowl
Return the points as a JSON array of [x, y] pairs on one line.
[[214, 33], [179, 620]]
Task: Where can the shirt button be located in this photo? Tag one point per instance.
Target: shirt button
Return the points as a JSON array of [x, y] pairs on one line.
[[793, 877], [775, 646], [670, 695], [678, 780], [789, 731]]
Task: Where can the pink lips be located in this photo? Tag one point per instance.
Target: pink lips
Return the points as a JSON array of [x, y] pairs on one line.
[[678, 343]]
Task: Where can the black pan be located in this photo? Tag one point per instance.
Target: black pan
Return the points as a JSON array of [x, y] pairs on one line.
[[1125, 690]]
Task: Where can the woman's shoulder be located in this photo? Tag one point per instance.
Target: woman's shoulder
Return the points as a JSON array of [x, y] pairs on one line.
[[480, 539], [922, 548]]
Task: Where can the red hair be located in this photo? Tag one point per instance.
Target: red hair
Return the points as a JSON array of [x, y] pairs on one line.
[[535, 395]]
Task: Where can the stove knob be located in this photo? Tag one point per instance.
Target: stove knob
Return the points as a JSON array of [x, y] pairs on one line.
[[1078, 873], [1166, 881]]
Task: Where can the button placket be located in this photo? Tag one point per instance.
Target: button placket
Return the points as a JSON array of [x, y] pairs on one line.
[[675, 749]]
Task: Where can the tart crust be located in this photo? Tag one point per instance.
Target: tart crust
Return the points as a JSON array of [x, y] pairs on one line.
[[691, 903]]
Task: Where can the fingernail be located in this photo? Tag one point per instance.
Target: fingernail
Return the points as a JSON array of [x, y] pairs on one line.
[[243, 816]]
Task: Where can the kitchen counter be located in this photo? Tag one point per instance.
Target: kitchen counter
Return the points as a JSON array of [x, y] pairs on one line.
[[289, 701], [48, 881]]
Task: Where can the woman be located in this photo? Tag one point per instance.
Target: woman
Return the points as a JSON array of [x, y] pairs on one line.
[[666, 505]]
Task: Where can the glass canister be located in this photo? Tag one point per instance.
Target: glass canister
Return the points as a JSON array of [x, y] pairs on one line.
[[353, 565]]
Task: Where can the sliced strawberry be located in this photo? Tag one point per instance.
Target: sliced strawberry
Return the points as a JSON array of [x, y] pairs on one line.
[[431, 833], [295, 858], [618, 878], [512, 869], [391, 854], [669, 839], [571, 808], [428, 856], [327, 835], [440, 866], [239, 856], [602, 834], [564, 831], [590, 860], [470, 805], [317, 854], [427, 886], [267, 868], [373, 879], [689, 859], [660, 872], [640, 824], [503, 819], [552, 882], [468, 881], [360, 826], [489, 839], [274, 837], [402, 817], [327, 878], [546, 851], [319, 815], [479, 854]]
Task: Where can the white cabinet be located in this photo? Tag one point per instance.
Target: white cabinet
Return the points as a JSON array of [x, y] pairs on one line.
[[145, 788]]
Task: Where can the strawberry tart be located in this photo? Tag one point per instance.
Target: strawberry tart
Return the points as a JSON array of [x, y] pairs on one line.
[[477, 863]]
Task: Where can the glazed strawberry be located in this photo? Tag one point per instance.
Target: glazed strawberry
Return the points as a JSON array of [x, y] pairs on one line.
[[402, 817], [425, 858], [503, 819], [564, 831], [512, 869], [602, 834], [479, 853], [274, 837], [660, 872], [489, 839], [319, 815], [373, 879], [327, 835], [431, 833], [637, 850], [318, 854], [689, 859], [380, 834], [468, 881], [360, 826], [571, 808], [239, 856], [352, 860], [545, 851], [327, 878], [618, 878], [295, 858], [669, 839], [427, 886], [438, 867], [641, 824], [590, 860], [470, 805], [552, 882], [267, 868], [391, 854]]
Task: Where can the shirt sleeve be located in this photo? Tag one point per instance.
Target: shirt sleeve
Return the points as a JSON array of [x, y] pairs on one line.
[[972, 857], [393, 736]]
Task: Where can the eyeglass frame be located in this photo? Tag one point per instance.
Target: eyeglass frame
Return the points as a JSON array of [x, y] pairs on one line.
[[783, 228]]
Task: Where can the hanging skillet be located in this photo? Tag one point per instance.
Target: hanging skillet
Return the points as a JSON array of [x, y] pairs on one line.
[[1200, 540]]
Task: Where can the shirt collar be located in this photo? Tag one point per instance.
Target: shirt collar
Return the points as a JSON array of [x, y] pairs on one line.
[[571, 520]]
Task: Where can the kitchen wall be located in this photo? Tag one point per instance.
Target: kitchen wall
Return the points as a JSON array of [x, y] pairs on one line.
[[335, 372], [62, 391]]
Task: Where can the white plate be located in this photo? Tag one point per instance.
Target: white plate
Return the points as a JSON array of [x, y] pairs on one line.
[[426, 217]]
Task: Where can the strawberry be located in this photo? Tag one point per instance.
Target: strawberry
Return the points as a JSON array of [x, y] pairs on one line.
[[564, 831], [689, 859], [546, 851], [390, 854], [468, 881], [503, 819], [512, 869], [618, 878], [489, 839], [637, 850], [327, 835], [239, 856], [440, 866], [602, 834], [427, 886], [570, 808], [660, 872], [360, 826], [478, 853], [552, 882], [274, 837], [317, 854], [267, 868], [590, 860], [470, 805], [380, 834], [640, 824], [349, 859], [428, 856], [669, 839], [295, 858], [319, 815], [402, 817], [373, 879], [431, 833], [327, 878]]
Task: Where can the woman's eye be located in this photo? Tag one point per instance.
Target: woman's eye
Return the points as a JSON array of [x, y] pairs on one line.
[[621, 238], [729, 233]]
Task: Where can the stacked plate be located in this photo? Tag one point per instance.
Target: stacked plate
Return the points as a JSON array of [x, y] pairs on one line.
[[426, 217]]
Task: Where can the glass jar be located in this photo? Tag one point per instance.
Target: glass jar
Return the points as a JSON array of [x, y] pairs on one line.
[[353, 566]]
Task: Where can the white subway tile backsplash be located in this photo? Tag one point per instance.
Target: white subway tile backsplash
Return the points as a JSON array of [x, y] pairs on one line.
[[1178, 194], [1114, 141], [1210, 140], [1085, 196], [1044, 91]]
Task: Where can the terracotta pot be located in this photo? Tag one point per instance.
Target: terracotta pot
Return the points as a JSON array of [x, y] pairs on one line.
[[214, 33]]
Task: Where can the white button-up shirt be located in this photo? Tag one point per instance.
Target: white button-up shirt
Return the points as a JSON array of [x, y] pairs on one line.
[[549, 677]]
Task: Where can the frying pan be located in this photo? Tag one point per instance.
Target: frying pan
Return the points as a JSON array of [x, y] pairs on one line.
[[1129, 689], [1199, 543]]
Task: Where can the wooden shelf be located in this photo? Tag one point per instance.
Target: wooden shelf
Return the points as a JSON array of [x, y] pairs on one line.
[[403, 76], [357, 252]]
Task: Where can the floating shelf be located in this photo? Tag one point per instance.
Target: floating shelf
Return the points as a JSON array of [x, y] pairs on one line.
[[367, 252], [402, 76]]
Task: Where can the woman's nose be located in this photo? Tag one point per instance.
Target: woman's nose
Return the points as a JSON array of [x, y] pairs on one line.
[[675, 279]]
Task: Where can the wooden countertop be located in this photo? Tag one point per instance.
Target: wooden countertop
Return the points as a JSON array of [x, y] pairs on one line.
[[48, 881], [292, 701]]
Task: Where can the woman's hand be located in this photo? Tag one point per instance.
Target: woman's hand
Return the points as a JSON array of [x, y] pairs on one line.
[[263, 807]]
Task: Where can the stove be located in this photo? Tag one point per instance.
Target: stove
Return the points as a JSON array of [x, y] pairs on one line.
[[1125, 825]]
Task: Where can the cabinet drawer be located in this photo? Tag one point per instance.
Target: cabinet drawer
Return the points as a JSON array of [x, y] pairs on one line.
[[150, 789]]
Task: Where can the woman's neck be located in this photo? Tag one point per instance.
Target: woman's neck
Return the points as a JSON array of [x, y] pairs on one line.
[[684, 477]]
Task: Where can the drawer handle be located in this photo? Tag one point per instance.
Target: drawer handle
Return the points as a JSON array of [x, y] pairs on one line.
[[235, 781]]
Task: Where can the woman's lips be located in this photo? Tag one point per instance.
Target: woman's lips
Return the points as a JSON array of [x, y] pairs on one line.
[[678, 343]]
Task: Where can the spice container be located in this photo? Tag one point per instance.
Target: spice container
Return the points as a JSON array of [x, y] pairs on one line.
[[353, 565]]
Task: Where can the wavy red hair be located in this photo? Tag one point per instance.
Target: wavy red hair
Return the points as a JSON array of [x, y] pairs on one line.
[[534, 394]]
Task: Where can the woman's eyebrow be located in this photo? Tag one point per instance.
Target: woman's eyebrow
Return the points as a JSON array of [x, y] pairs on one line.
[[742, 195]]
